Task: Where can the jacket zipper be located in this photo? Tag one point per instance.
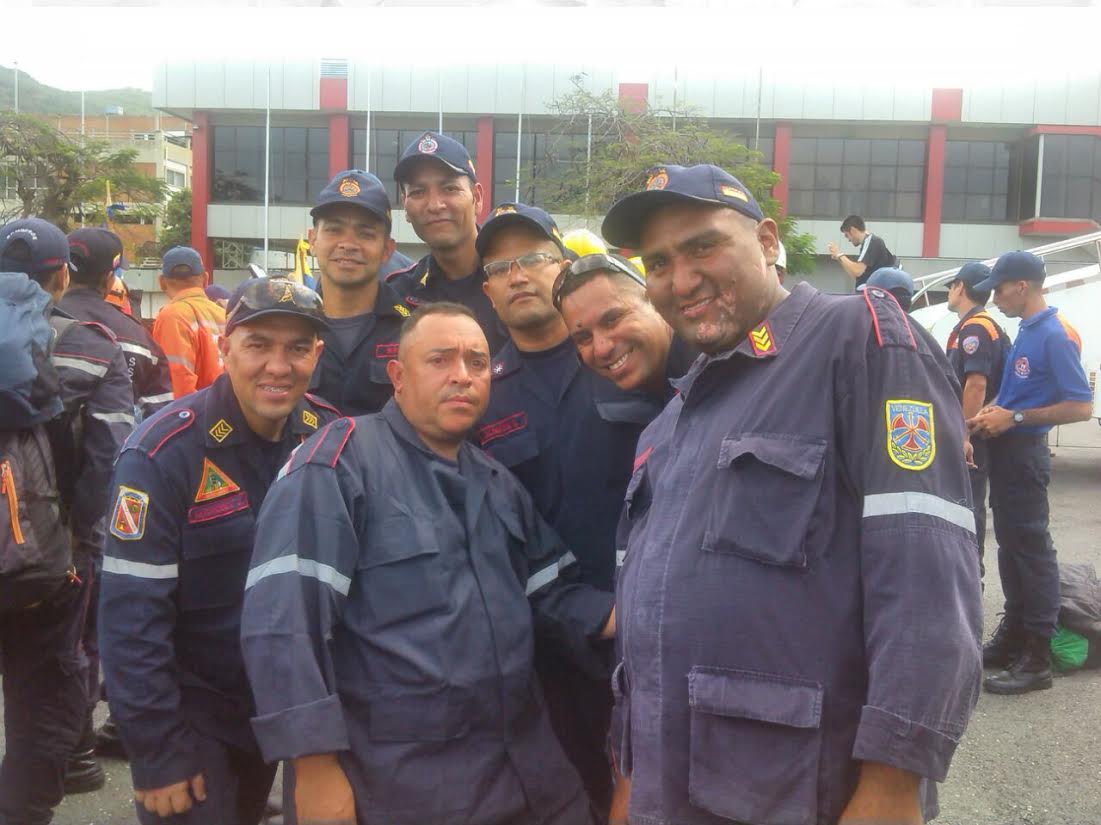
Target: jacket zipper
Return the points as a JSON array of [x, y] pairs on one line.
[[7, 487]]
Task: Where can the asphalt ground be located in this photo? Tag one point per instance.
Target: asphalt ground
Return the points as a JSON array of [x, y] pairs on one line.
[[1025, 760]]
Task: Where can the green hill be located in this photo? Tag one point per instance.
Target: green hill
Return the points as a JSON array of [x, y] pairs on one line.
[[38, 98]]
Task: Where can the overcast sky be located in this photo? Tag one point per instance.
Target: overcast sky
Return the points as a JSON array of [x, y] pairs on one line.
[[112, 47]]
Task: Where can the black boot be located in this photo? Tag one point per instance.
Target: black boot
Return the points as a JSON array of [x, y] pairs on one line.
[[1005, 645], [83, 773], [1031, 671], [108, 742]]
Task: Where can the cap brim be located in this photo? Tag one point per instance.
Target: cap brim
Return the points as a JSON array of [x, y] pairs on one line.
[[510, 219], [318, 322], [404, 165], [985, 286], [321, 207], [622, 225]]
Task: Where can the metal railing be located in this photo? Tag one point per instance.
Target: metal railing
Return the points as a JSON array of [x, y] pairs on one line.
[[923, 284]]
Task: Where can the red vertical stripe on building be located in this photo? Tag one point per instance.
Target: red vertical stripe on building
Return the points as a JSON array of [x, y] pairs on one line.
[[334, 93], [484, 164], [934, 191], [781, 160], [202, 150], [339, 155], [947, 105]]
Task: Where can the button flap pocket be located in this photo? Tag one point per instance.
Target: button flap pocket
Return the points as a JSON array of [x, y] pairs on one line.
[[781, 700], [796, 455], [513, 449], [397, 535]]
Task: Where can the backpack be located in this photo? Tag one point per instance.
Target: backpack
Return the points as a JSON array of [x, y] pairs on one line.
[[35, 549]]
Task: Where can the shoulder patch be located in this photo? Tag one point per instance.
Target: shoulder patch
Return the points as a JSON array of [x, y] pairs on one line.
[[157, 431], [324, 447], [128, 514], [891, 325], [971, 344], [911, 438]]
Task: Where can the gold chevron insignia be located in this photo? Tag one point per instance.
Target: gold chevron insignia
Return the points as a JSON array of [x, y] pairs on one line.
[[761, 339], [309, 419], [220, 431]]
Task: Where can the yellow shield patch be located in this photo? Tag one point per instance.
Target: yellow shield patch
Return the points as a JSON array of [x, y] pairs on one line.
[[911, 437]]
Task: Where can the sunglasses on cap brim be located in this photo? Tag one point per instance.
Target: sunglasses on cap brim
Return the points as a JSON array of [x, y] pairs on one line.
[[591, 264], [272, 293]]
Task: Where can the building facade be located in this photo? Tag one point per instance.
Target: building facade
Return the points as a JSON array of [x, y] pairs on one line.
[[943, 175]]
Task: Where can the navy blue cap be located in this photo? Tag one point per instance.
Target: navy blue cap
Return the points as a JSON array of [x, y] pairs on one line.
[[676, 184], [972, 274], [447, 151], [356, 187], [1013, 266], [181, 262], [519, 214], [890, 279], [49, 248], [256, 297], [217, 292], [94, 251]]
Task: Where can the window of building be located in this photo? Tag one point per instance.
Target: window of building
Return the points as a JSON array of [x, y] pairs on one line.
[[546, 160], [387, 146], [976, 181], [175, 178], [299, 164], [872, 177], [1071, 186]]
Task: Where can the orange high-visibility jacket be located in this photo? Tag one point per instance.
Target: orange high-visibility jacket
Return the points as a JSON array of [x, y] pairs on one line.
[[187, 329]]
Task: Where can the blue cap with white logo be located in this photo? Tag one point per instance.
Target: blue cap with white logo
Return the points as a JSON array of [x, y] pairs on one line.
[[669, 184], [438, 147], [519, 214], [356, 187], [47, 246], [1013, 266]]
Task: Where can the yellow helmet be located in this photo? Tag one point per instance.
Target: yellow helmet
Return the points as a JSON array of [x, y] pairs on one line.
[[583, 242], [637, 261]]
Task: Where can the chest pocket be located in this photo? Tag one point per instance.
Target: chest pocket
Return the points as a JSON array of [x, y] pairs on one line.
[[215, 556], [765, 494], [636, 504], [514, 449]]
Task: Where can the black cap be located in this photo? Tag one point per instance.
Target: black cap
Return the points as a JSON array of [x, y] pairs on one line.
[[356, 187], [94, 251], [667, 184], [438, 147], [1013, 266], [519, 214], [49, 248], [257, 297]]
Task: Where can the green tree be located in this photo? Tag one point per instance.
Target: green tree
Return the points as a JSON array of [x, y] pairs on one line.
[[52, 176], [176, 230], [627, 141]]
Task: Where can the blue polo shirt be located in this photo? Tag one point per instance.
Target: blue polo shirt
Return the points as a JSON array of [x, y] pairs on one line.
[[1044, 367]]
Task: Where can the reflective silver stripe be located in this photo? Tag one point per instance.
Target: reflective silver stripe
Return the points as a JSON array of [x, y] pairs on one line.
[[897, 504], [549, 573], [620, 557], [137, 349], [566, 561], [98, 370], [140, 569], [163, 398], [179, 359], [115, 418], [304, 567], [864, 246]]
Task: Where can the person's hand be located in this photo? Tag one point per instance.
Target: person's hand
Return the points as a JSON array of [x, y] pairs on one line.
[[969, 454], [991, 422], [322, 792], [835, 253], [172, 799], [609, 627], [883, 796]]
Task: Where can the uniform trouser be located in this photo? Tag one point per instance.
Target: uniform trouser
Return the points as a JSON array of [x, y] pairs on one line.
[[89, 644], [237, 786], [1020, 469], [44, 704], [580, 707], [979, 483]]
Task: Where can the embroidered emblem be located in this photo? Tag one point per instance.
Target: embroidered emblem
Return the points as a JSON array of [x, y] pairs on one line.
[[216, 509], [498, 368], [387, 351], [288, 293], [911, 442], [402, 311], [220, 431], [505, 426], [1021, 367], [971, 344], [214, 483], [128, 519], [504, 209], [761, 340], [734, 192], [658, 180], [428, 145], [349, 187], [309, 419]]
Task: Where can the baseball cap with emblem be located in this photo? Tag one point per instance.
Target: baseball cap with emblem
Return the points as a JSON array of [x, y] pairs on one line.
[[181, 262], [439, 147], [356, 187], [971, 274], [94, 251], [520, 214], [258, 297], [47, 246], [669, 184], [1013, 266]]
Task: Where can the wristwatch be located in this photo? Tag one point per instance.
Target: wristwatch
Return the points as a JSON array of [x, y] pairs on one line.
[[1018, 417]]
